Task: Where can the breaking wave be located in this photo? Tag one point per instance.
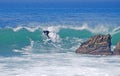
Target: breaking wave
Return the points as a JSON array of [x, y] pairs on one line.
[[15, 40]]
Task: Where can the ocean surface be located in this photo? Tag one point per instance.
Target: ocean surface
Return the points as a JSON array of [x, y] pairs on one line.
[[25, 50]]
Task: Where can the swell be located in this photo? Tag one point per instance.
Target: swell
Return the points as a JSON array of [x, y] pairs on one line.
[[70, 37], [24, 34], [21, 37], [10, 39]]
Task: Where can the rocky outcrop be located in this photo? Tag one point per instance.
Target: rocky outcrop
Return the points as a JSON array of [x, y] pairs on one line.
[[117, 49], [97, 45]]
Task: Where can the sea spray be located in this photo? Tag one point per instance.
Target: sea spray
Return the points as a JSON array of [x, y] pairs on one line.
[[25, 51], [21, 36]]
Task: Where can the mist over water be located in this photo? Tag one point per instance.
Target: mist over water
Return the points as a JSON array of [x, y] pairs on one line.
[[25, 51]]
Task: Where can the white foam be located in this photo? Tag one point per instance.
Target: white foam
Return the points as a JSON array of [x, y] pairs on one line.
[[94, 29], [54, 29], [97, 29], [16, 50], [115, 30], [17, 28], [100, 29], [54, 37], [30, 29], [59, 64], [113, 47], [26, 49]]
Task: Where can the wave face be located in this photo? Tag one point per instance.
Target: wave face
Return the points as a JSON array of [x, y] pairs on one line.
[[21, 29], [31, 39], [25, 50]]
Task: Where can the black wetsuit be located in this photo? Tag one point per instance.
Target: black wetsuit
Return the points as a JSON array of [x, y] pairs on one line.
[[46, 33]]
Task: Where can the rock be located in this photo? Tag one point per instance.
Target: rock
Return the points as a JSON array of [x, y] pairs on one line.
[[97, 45], [117, 49]]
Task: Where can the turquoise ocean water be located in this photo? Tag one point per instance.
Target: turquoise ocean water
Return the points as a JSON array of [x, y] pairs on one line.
[[25, 51]]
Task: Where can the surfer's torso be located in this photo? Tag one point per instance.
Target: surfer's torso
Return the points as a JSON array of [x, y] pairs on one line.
[[51, 35]]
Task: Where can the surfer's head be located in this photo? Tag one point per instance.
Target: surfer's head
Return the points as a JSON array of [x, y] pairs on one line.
[[46, 32]]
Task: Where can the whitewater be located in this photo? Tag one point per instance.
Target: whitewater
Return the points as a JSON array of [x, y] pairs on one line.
[[25, 51]]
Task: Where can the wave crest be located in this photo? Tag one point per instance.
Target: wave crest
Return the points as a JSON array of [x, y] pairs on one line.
[[70, 36]]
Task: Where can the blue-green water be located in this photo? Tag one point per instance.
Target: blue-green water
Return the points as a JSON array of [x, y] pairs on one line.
[[25, 51], [17, 38]]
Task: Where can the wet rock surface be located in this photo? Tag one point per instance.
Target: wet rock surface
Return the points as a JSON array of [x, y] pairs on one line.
[[96, 45], [117, 49]]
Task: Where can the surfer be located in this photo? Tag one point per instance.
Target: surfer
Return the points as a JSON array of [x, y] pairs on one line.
[[51, 35], [46, 32]]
